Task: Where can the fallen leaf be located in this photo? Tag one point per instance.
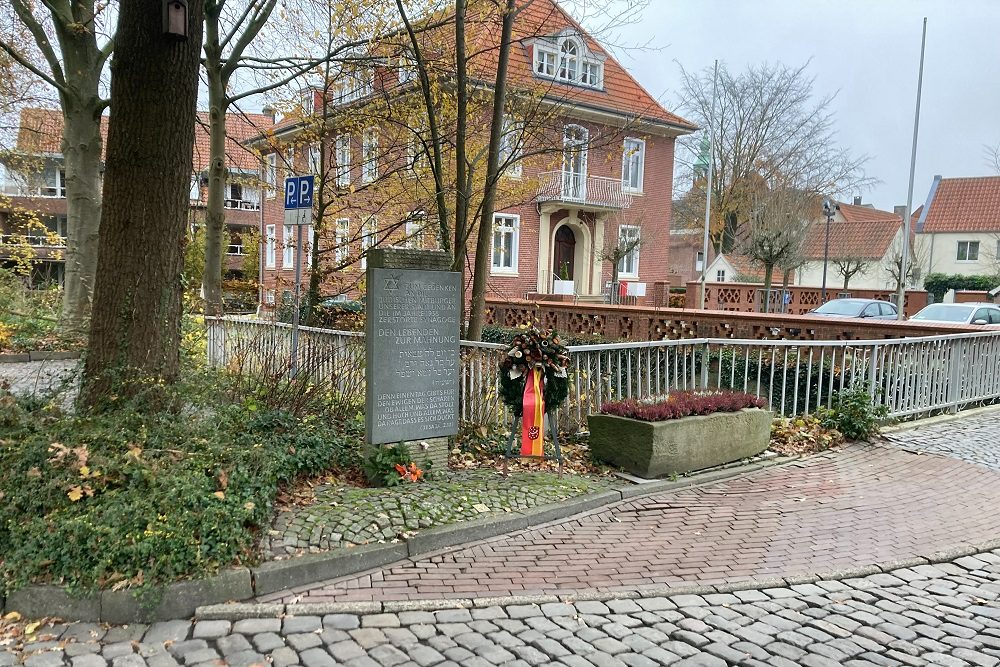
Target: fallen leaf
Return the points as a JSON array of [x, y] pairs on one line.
[[13, 617], [220, 495], [30, 628], [75, 493]]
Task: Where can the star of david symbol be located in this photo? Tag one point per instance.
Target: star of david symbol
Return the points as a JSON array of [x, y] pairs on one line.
[[391, 284]]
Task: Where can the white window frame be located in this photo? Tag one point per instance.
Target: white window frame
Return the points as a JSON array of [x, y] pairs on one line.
[[195, 194], [314, 159], [591, 74], [407, 69], [343, 238], [969, 245], [416, 222], [271, 242], [546, 61], [271, 174], [510, 147], [291, 161], [569, 60], [505, 224], [369, 238], [699, 261], [628, 265], [269, 297], [343, 148], [720, 275], [288, 247], [633, 164], [57, 187], [369, 155]]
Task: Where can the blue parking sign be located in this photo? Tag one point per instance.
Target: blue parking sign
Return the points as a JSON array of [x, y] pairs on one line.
[[299, 192]]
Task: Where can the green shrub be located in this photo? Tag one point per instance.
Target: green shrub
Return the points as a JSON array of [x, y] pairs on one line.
[[131, 498], [851, 413], [939, 283]]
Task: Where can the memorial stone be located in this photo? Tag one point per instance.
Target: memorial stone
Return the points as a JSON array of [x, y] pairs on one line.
[[412, 339]]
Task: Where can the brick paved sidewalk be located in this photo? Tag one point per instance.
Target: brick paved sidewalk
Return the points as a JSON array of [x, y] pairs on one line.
[[946, 614], [857, 506]]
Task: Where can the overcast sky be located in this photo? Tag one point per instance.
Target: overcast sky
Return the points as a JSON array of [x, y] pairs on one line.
[[866, 51]]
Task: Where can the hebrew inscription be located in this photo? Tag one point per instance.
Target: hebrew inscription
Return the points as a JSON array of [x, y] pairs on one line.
[[413, 347]]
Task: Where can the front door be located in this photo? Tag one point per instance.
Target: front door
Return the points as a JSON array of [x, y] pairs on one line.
[[565, 251]]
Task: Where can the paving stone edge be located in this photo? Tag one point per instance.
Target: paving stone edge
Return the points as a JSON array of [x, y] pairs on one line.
[[228, 589], [240, 611]]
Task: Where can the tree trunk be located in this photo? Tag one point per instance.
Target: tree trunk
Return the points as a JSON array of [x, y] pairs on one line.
[[81, 146], [768, 278], [135, 328], [847, 279], [215, 213], [786, 278], [462, 186], [484, 239]]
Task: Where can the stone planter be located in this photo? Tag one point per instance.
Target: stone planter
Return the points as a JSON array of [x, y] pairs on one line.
[[657, 449]]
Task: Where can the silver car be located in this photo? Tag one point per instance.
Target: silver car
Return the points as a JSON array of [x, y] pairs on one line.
[[880, 310], [959, 313]]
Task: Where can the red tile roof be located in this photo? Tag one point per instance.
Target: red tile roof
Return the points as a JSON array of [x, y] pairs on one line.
[[41, 132], [854, 213], [866, 239], [621, 95], [744, 267], [965, 205]]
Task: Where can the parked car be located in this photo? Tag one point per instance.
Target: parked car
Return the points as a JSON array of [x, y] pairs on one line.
[[879, 310], [960, 313]]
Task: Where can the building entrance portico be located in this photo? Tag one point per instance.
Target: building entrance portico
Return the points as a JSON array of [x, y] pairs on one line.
[[568, 241]]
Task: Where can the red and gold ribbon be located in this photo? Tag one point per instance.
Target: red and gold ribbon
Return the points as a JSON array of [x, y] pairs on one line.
[[533, 415]]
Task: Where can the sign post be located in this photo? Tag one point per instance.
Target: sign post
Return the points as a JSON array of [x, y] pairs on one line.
[[298, 212]]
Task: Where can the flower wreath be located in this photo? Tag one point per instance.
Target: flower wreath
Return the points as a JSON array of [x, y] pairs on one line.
[[527, 349]]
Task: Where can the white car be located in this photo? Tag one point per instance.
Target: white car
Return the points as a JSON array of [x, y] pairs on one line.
[[959, 313]]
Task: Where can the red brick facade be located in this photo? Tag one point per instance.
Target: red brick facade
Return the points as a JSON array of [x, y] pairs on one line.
[[557, 222]]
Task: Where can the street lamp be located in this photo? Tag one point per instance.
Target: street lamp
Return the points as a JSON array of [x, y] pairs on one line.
[[829, 209]]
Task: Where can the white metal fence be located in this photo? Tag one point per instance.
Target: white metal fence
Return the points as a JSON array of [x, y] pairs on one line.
[[909, 376]]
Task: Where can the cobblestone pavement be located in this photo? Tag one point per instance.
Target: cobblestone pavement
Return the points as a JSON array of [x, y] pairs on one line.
[[31, 377], [346, 516], [946, 614], [973, 439], [856, 506]]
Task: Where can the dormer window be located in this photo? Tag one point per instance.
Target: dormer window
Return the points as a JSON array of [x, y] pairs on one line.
[[566, 58]]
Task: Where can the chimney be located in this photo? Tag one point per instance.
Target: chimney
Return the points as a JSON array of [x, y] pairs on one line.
[[268, 111], [857, 200], [900, 210]]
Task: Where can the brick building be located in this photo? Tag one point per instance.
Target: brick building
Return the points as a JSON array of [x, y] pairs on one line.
[[34, 187], [593, 175]]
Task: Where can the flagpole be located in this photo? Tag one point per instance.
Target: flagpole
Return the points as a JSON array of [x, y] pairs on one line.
[[904, 257], [708, 189]]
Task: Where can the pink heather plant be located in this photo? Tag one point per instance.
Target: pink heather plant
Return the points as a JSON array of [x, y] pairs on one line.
[[682, 404]]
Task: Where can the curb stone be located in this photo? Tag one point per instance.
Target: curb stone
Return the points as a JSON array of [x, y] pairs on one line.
[[207, 595], [240, 611]]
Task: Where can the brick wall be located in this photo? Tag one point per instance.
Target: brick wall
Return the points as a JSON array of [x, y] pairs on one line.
[[743, 297], [638, 323]]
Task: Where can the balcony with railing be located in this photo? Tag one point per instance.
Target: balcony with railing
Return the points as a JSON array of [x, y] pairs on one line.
[[582, 191], [242, 204]]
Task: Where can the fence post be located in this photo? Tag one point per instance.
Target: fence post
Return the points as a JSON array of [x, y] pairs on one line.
[[872, 374], [955, 376], [705, 363]]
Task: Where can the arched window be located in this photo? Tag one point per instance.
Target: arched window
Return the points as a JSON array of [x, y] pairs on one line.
[[569, 60]]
